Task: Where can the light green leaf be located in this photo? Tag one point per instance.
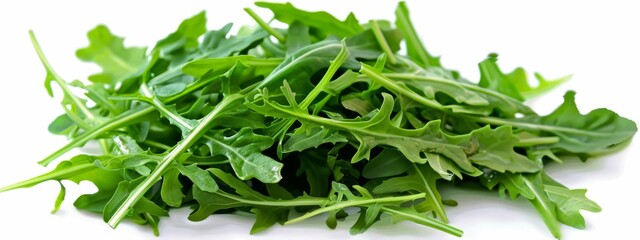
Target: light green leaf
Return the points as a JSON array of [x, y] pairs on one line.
[[59, 199], [491, 77], [287, 13], [520, 80], [108, 51]]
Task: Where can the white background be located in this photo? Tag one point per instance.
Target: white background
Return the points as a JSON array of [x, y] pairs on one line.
[[597, 42]]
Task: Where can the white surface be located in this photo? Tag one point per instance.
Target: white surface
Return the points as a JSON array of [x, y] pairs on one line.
[[597, 42]]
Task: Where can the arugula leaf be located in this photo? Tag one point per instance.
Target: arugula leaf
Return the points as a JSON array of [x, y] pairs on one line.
[[519, 79], [243, 149], [312, 138], [415, 48], [387, 163], [287, 13], [199, 177], [171, 191], [419, 179], [412, 143], [76, 169], [184, 38], [569, 202], [317, 170], [491, 77], [597, 130], [107, 50]]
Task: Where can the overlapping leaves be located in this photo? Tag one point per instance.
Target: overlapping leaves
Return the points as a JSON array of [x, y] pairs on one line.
[[329, 117]]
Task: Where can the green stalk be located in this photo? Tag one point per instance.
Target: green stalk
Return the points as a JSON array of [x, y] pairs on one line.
[[346, 204], [377, 32], [527, 142], [545, 208], [322, 84], [93, 133], [326, 78], [427, 221], [476, 88], [48, 176], [388, 84], [264, 25], [199, 130], [310, 201], [438, 207]]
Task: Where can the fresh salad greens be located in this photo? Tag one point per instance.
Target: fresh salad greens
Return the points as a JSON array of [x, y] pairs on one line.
[[319, 117]]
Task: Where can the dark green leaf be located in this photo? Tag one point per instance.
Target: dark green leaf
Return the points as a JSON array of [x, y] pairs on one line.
[[597, 130], [267, 217], [171, 191], [387, 163], [314, 166], [415, 48], [199, 177], [244, 151], [297, 37]]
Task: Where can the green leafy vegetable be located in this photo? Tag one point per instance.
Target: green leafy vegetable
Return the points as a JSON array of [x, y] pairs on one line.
[[318, 117]]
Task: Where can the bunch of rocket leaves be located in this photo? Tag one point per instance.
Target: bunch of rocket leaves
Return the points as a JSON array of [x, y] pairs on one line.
[[316, 118]]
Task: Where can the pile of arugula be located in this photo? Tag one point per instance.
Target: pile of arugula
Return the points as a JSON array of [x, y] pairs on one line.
[[316, 118]]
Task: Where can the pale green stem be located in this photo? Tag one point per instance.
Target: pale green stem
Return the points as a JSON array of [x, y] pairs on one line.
[[265, 25], [526, 142], [154, 176], [346, 204], [377, 32]]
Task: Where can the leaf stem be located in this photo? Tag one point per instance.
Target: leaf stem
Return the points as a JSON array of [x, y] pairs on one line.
[[49, 176], [427, 221], [154, 176], [265, 25], [535, 126], [544, 206], [438, 208], [118, 121], [276, 203], [93, 133], [388, 83], [406, 76], [527, 142], [328, 75], [352, 203], [377, 32]]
